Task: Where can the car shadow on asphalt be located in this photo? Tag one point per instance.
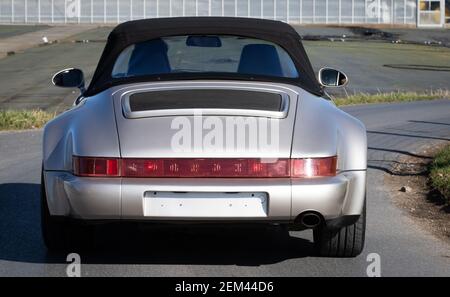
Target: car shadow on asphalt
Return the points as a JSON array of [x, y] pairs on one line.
[[21, 241], [243, 246]]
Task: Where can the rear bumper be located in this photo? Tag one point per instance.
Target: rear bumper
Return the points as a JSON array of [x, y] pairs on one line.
[[128, 198]]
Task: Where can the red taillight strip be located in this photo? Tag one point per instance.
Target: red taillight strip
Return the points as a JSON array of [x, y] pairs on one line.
[[204, 167], [96, 166], [314, 167]]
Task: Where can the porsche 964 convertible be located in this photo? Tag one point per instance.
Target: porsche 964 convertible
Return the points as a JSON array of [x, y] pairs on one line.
[[205, 121]]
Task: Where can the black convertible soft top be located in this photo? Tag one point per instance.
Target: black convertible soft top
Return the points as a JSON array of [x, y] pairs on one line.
[[132, 32]]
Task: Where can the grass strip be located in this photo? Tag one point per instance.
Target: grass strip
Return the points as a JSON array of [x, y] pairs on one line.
[[390, 97], [440, 173], [24, 119]]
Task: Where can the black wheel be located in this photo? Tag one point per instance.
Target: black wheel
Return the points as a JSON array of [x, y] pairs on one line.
[[344, 242], [58, 233]]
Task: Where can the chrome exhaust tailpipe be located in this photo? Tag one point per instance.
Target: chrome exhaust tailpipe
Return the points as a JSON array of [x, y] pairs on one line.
[[310, 219]]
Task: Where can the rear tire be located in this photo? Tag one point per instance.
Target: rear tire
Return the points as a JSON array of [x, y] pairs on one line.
[[347, 241], [58, 233]]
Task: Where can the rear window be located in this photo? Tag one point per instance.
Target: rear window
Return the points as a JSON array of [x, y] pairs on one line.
[[205, 54]]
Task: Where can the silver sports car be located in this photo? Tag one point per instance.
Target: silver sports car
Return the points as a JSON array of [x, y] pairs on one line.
[[205, 121]]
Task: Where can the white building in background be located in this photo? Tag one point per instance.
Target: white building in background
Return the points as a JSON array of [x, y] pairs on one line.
[[434, 13]]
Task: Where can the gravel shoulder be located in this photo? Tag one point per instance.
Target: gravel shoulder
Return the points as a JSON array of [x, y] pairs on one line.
[[409, 188]]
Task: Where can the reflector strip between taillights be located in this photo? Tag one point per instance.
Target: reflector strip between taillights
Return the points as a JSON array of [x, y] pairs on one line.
[[204, 167]]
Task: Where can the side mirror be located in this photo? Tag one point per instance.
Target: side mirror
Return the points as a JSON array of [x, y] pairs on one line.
[[329, 77], [69, 78]]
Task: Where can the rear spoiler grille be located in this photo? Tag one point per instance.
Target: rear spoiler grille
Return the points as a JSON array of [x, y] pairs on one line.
[[207, 101]]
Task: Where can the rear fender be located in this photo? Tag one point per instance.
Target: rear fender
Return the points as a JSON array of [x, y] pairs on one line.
[[88, 129], [322, 130]]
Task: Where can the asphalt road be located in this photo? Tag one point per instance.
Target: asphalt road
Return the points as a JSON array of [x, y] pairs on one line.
[[404, 249]]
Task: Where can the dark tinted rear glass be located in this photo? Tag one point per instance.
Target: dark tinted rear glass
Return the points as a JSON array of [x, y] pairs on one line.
[[187, 99], [204, 54]]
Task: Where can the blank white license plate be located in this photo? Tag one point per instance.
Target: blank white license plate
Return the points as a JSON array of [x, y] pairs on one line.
[[205, 204]]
